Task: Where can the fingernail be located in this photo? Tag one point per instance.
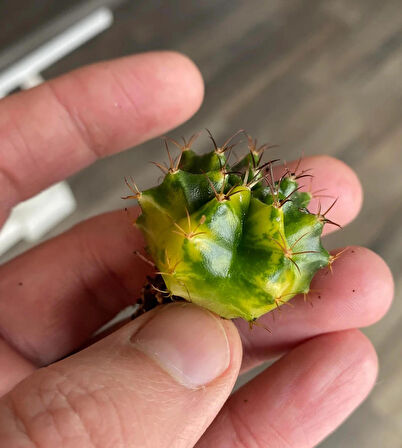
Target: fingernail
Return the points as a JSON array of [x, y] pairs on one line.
[[187, 342]]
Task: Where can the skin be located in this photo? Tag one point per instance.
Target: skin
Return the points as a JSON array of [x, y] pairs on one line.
[[112, 393]]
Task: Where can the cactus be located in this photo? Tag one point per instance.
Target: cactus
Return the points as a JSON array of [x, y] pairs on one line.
[[232, 240]]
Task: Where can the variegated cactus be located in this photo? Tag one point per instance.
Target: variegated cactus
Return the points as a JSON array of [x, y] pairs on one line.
[[232, 240]]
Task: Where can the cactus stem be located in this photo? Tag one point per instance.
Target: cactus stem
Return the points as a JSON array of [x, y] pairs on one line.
[[133, 187], [231, 234]]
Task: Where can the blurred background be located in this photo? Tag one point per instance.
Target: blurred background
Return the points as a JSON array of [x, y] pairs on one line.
[[314, 77]]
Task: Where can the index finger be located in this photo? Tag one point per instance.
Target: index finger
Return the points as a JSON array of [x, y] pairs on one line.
[[49, 132]]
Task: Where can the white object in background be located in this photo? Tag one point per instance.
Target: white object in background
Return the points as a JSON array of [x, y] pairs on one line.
[[32, 81], [32, 219], [61, 45]]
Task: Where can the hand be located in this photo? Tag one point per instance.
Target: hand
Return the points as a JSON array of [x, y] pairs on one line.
[[160, 380]]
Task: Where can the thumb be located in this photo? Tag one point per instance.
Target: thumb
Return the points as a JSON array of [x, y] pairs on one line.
[[158, 381]]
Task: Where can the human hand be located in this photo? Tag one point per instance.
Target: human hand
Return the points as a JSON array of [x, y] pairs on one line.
[[160, 380]]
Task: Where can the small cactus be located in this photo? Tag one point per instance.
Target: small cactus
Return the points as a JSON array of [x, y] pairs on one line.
[[231, 239]]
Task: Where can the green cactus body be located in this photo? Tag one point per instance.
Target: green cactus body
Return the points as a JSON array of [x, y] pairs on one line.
[[238, 244]]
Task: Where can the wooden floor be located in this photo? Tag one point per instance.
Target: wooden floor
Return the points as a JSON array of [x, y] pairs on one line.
[[319, 76]]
